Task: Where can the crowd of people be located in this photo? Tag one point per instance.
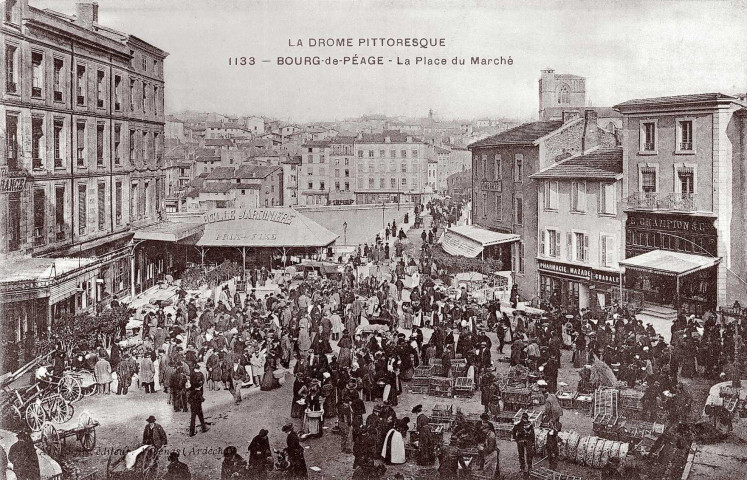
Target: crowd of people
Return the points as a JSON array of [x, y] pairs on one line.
[[235, 341]]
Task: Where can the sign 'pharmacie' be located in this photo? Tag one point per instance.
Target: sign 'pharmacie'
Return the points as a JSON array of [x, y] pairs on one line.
[[575, 271], [266, 214]]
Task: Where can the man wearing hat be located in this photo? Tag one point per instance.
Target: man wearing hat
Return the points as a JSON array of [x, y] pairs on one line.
[[523, 434], [176, 470], [154, 434], [487, 450], [195, 398]]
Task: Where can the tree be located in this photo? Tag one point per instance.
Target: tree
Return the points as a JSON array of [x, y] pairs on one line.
[[85, 331]]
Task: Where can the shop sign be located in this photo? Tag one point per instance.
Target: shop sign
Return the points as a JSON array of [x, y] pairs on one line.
[[491, 186], [565, 269], [222, 215], [671, 223], [599, 276], [10, 184]]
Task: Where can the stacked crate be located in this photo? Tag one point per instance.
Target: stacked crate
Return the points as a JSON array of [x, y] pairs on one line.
[[503, 424], [458, 368], [442, 415], [464, 387], [421, 380], [516, 398], [440, 387]]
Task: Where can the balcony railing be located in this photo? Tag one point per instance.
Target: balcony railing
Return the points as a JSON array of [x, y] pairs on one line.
[[679, 202], [686, 146], [648, 147]]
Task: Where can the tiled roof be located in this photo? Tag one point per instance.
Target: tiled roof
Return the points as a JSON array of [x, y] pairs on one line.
[[599, 164], [255, 171], [208, 158], [676, 100], [248, 186], [198, 181], [522, 135], [395, 136], [343, 139], [218, 142], [316, 143], [222, 173], [216, 187], [295, 160]]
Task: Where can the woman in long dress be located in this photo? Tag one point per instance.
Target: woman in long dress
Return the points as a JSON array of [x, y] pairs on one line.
[[426, 452], [393, 451], [299, 392]]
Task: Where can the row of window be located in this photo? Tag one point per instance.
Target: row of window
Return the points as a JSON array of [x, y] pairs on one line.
[[493, 168], [140, 207], [576, 247], [143, 97], [606, 198], [392, 153], [323, 172], [382, 183], [322, 159], [322, 186], [518, 208], [684, 178], [143, 145], [684, 137], [391, 167]]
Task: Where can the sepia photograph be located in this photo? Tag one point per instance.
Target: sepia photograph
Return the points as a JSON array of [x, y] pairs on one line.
[[373, 239]]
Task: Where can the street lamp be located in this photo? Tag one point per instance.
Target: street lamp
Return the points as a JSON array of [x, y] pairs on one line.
[[345, 232]]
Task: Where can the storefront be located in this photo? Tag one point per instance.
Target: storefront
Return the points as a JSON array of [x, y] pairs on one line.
[[471, 241], [571, 287], [676, 280], [685, 280]]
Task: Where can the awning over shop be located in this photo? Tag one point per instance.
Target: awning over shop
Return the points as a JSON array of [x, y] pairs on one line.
[[469, 240], [168, 231], [262, 227], [669, 263]]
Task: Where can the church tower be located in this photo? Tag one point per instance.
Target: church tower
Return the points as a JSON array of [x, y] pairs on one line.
[[560, 92]]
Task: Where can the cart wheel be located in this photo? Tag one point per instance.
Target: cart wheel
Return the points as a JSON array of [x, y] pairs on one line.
[[60, 410], [149, 465], [88, 391], [69, 388], [87, 435], [50, 440], [35, 416]]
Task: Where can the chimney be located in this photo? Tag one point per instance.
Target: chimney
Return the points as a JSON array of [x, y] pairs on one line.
[[569, 116], [591, 131], [87, 13]]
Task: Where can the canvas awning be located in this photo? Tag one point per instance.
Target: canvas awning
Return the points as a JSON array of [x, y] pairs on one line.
[[168, 231], [262, 227], [664, 262], [469, 240]]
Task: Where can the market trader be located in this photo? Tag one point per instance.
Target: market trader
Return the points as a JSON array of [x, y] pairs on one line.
[[523, 434]]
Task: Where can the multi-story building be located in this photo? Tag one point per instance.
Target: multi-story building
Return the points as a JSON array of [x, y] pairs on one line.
[[685, 229], [433, 174], [459, 185], [269, 179], [342, 170], [580, 229], [291, 171], [391, 167], [255, 125], [313, 178], [504, 198], [83, 125]]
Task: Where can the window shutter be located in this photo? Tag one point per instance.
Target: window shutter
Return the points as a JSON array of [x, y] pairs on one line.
[[582, 196], [586, 248], [611, 253], [569, 246], [603, 251], [543, 242]]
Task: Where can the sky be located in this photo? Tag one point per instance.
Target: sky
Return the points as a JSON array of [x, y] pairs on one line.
[[625, 49]]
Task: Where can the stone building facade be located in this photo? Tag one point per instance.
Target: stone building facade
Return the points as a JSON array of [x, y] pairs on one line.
[[82, 153]]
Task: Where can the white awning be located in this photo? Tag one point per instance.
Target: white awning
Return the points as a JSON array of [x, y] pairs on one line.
[[669, 263], [469, 240], [168, 231]]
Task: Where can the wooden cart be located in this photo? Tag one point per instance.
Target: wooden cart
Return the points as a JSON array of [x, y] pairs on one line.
[[145, 466], [52, 440]]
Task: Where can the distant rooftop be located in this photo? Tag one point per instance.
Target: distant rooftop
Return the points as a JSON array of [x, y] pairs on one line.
[[524, 134]]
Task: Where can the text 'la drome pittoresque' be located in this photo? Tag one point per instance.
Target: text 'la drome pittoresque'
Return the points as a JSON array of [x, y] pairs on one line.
[[415, 42]]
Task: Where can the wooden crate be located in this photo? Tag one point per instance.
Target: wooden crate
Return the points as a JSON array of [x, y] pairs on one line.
[[516, 398], [464, 387], [631, 399], [438, 367], [440, 387], [442, 415], [534, 417], [424, 371], [419, 389], [566, 399], [583, 403]]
